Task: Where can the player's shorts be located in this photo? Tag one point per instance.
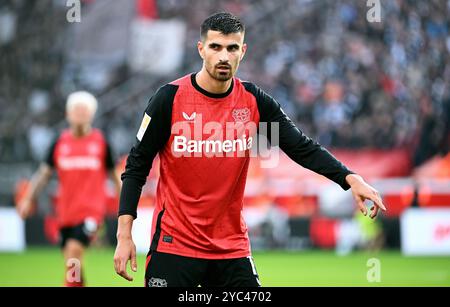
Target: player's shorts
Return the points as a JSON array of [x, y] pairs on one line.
[[168, 270], [84, 233]]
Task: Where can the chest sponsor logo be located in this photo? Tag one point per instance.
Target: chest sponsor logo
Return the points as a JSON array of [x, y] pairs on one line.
[[212, 138], [241, 137], [79, 163], [182, 145]]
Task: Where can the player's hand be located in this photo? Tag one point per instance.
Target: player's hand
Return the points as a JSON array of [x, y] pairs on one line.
[[362, 191], [24, 208], [125, 250]]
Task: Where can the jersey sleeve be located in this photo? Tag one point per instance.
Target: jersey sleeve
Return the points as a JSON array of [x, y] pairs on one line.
[[299, 147], [153, 134], [50, 157], [109, 157]]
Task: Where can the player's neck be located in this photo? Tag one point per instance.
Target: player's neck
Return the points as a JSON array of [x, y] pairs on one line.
[[80, 131], [211, 85]]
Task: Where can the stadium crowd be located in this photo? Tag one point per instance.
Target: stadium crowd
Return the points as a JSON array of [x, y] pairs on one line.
[[347, 82]]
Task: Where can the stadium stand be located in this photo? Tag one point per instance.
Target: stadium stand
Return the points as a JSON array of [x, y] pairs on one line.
[[377, 94]]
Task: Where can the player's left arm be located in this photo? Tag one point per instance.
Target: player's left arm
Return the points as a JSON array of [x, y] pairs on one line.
[[311, 155]]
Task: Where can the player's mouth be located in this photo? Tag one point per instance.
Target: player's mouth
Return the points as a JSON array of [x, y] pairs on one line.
[[223, 67]]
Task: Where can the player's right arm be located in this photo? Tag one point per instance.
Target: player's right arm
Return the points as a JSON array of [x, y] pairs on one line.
[[153, 134], [38, 182], [125, 250]]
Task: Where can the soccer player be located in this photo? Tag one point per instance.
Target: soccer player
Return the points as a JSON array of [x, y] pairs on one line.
[[82, 159], [201, 127]]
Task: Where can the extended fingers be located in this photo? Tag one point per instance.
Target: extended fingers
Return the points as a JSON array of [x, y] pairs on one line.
[[133, 262], [120, 265], [374, 210], [360, 203]]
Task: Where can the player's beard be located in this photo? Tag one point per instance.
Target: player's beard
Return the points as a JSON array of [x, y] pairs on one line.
[[221, 75]]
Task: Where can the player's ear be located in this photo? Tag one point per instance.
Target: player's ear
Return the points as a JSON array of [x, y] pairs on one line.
[[201, 49], [244, 50]]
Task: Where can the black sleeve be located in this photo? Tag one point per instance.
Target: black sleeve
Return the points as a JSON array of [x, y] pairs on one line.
[[152, 136], [50, 158], [299, 147], [109, 157]]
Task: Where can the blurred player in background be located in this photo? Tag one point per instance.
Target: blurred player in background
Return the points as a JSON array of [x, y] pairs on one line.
[[82, 159], [199, 236]]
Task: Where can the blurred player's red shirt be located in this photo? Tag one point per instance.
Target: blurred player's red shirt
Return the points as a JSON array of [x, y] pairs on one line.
[[81, 165]]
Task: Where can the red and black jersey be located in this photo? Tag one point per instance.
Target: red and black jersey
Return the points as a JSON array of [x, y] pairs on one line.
[[81, 164], [203, 141]]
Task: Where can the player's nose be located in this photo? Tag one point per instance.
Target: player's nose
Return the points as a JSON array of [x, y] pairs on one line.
[[223, 56]]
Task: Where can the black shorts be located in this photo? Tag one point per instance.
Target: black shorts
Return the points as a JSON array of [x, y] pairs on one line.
[[168, 270], [79, 232]]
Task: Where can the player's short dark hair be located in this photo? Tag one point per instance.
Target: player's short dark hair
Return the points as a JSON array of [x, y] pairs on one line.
[[223, 22]]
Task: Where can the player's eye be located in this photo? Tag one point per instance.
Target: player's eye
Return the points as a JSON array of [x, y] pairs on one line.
[[214, 46], [233, 48]]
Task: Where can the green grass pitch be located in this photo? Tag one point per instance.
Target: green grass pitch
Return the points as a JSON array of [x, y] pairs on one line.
[[44, 267]]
